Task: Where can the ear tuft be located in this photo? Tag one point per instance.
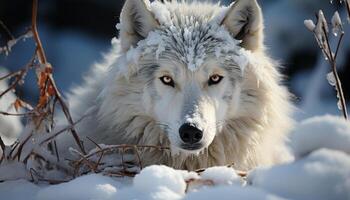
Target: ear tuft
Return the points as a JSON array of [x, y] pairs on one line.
[[245, 22], [136, 22]]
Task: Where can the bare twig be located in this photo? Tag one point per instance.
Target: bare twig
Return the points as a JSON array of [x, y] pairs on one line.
[[7, 30], [16, 114], [2, 146], [41, 52], [332, 61], [138, 156], [348, 8], [14, 84], [52, 136]]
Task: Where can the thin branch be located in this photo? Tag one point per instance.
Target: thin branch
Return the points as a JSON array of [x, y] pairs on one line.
[[348, 9], [13, 85], [138, 156], [7, 30], [2, 146], [338, 45], [332, 62], [41, 52], [51, 136], [16, 114]]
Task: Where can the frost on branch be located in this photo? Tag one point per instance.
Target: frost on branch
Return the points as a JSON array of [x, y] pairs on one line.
[[322, 36], [310, 25], [337, 26]]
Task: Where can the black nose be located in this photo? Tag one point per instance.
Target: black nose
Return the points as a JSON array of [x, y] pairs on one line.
[[190, 134]]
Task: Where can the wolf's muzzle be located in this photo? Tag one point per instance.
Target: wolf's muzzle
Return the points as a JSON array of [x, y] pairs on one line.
[[190, 134]]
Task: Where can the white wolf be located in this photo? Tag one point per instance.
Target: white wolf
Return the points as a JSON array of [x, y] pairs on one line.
[[193, 76]]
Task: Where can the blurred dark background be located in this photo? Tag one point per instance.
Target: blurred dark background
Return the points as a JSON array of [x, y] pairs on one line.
[[76, 33]]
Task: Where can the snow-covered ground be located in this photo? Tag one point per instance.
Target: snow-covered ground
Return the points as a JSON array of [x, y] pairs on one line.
[[321, 170]]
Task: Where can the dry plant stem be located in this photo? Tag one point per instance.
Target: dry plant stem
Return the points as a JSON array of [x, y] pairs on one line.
[[138, 156], [20, 147], [7, 30], [56, 151], [332, 62], [41, 52], [42, 59], [337, 79], [16, 114], [62, 131], [123, 163], [121, 146], [97, 145], [92, 165], [348, 8], [2, 146], [98, 161], [18, 74], [19, 77]]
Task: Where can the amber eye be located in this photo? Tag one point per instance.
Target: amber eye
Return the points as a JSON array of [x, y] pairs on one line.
[[215, 79], [167, 80]]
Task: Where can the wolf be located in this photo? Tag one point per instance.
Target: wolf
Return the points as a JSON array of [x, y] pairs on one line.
[[192, 76]]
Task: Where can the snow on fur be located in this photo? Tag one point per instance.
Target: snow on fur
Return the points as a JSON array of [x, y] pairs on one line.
[[190, 32]]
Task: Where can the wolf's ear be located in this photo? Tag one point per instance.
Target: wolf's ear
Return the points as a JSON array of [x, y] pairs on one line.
[[245, 22], [136, 21]]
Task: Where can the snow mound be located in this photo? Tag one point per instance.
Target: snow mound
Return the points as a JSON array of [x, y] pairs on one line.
[[321, 132], [323, 174], [19, 189], [92, 186], [160, 180], [222, 175], [231, 192]]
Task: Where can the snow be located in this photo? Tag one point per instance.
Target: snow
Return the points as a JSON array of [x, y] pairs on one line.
[[86, 187], [321, 132], [321, 170], [331, 79], [14, 170], [321, 146], [156, 182], [161, 176], [19, 189], [222, 175], [324, 174], [310, 25], [336, 24], [231, 192], [161, 13]]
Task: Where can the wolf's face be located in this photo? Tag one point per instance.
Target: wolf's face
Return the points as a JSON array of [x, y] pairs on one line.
[[192, 106], [191, 66]]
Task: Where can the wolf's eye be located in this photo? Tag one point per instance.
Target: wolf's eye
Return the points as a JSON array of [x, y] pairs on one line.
[[167, 80], [215, 79]]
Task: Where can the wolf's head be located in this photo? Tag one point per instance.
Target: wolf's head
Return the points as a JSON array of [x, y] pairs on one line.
[[190, 58]]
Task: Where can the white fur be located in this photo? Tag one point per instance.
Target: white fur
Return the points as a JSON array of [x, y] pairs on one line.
[[245, 118]]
